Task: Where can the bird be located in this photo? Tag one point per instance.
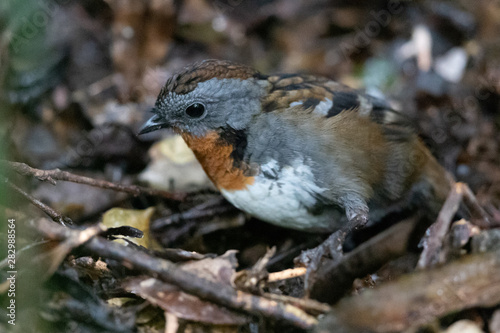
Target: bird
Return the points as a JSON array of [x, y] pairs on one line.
[[299, 151]]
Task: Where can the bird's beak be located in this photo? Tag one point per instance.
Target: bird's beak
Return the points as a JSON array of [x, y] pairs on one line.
[[156, 122]]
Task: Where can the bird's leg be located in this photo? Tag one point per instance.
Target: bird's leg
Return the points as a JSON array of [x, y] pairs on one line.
[[356, 219], [332, 247]]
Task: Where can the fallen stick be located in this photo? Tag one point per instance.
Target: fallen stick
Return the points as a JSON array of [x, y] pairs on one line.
[[52, 175], [167, 271], [418, 298]]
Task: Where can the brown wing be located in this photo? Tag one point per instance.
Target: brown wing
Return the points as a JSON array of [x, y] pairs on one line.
[[326, 98]]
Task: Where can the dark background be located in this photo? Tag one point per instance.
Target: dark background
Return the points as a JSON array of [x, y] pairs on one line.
[[77, 79]]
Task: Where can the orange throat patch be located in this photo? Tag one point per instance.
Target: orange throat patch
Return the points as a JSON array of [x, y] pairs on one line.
[[215, 158]]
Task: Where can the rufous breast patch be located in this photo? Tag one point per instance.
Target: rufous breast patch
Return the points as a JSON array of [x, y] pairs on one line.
[[214, 156]]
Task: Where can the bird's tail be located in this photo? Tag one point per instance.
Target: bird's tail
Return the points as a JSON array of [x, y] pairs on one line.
[[435, 182]]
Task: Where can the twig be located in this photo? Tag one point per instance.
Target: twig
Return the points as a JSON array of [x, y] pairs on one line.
[[436, 233], [471, 202], [210, 208], [250, 279], [286, 274], [315, 258], [52, 213], [433, 239], [306, 304], [185, 222], [52, 175], [169, 272]]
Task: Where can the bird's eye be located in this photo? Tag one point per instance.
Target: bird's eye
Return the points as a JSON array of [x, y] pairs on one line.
[[195, 110]]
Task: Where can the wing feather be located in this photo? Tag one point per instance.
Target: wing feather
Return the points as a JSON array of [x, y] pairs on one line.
[[327, 98]]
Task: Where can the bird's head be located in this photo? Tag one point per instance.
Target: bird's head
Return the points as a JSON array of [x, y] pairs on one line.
[[208, 96]]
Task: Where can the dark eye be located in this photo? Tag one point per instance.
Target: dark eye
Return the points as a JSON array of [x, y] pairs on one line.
[[195, 110]]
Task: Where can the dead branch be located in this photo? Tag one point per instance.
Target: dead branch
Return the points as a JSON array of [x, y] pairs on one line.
[[433, 241], [418, 298], [476, 209], [188, 282], [250, 279], [52, 213], [306, 304], [52, 175], [210, 208]]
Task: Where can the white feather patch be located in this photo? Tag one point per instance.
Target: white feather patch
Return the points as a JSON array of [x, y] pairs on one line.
[[297, 103], [283, 197], [323, 107]]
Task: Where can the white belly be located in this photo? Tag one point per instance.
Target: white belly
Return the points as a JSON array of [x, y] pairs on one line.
[[284, 199]]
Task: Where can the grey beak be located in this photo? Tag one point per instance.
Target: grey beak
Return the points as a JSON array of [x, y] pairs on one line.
[[156, 122]]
